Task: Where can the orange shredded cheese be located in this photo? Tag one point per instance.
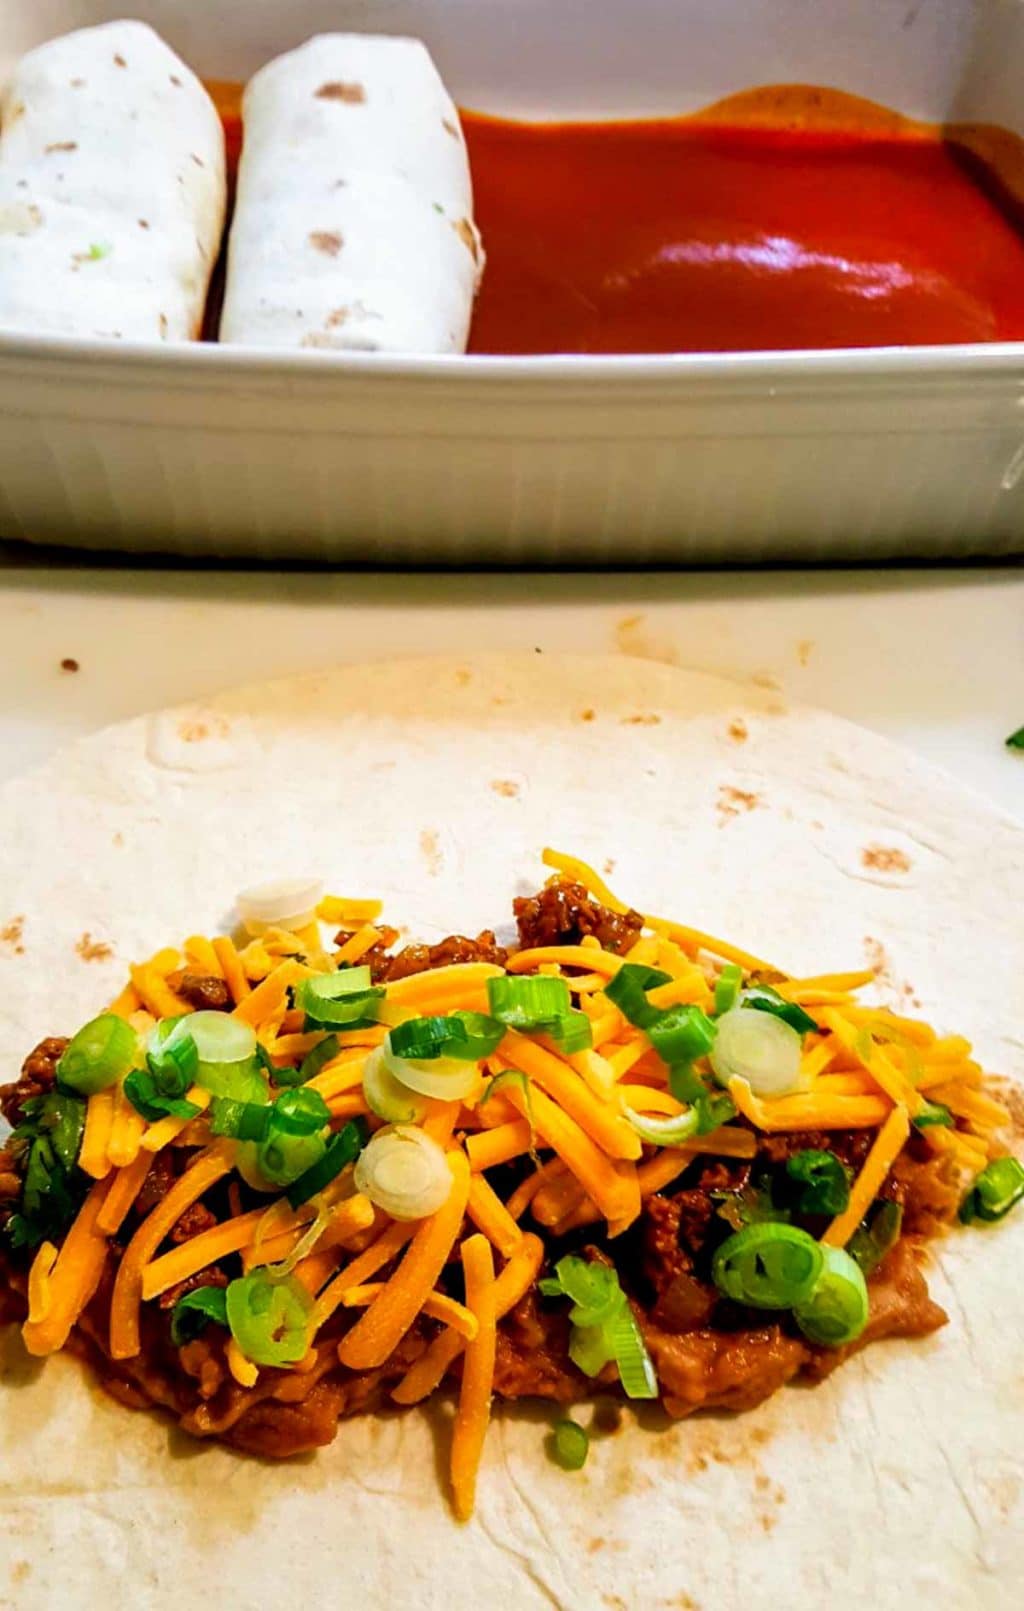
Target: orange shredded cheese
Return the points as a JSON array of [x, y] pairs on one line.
[[874, 1060], [512, 1284], [474, 1411], [600, 1119], [99, 1117], [155, 993], [336, 909], [40, 1290], [527, 1189], [73, 1279], [126, 1131], [387, 1246], [419, 989], [580, 872], [696, 940], [489, 1148], [886, 1148], [200, 952], [489, 1214], [379, 1331], [126, 1002], [164, 1131], [436, 1305], [231, 968], [210, 1166], [268, 997], [246, 1374], [358, 944], [124, 1188], [809, 1112], [589, 1164], [569, 956]]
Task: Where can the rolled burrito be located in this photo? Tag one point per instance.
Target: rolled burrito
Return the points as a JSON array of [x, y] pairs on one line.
[[354, 224], [112, 189]]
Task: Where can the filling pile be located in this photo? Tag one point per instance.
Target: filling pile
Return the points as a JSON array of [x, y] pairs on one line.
[[283, 1179]]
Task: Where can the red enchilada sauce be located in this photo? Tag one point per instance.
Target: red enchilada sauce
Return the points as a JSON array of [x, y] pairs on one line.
[[781, 218]]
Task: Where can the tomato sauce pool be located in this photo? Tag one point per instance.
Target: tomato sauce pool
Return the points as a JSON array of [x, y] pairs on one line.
[[781, 218]]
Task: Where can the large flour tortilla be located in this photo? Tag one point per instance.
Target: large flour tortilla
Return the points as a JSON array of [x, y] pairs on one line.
[[434, 784]]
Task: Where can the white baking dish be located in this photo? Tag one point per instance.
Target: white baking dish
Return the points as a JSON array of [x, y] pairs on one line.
[[726, 457]]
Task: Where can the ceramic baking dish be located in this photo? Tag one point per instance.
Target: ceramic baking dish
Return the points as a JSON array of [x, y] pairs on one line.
[[805, 455]]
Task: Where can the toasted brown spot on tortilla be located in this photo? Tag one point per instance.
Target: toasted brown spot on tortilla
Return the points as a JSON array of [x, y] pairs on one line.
[[463, 676], [732, 801], [164, 326], [595, 1544], [194, 729], [17, 111], [633, 638], [119, 61], [641, 720], [468, 236], [587, 715], [118, 839], [885, 858], [764, 679], [327, 241], [91, 950], [62, 145], [738, 730], [351, 94], [609, 866], [69, 663], [20, 1570], [143, 223], [337, 317], [78, 83], [450, 128], [804, 650], [430, 849], [12, 934], [505, 787], [197, 160], [176, 81]]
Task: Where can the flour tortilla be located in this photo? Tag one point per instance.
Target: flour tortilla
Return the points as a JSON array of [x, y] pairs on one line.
[[435, 784], [354, 228], [112, 189]]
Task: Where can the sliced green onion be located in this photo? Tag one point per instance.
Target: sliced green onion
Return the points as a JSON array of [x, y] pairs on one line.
[[193, 1313], [753, 1204], [387, 1097], [283, 1159], [682, 1033], [514, 1076], [571, 1033], [140, 1087], [269, 1318], [1016, 740], [668, 1132], [342, 1149], [310, 1066], [759, 1048], [99, 1055], [338, 1000], [768, 1266], [932, 1113], [404, 1172], [686, 1084], [220, 1037], [447, 1078], [570, 1445], [875, 1235], [536, 1001], [824, 1182], [590, 1348], [628, 989], [242, 1121], [727, 987], [467, 1036], [636, 1368], [299, 1113], [996, 1190], [712, 1111], [594, 1289], [837, 1310], [762, 998], [172, 1057]]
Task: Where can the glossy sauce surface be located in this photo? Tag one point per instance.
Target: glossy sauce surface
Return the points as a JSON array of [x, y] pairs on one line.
[[783, 218]]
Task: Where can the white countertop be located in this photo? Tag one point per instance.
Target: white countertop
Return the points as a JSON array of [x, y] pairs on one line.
[[933, 658]]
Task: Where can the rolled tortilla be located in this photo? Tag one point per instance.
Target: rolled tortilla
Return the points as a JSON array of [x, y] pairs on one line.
[[354, 225], [112, 189]]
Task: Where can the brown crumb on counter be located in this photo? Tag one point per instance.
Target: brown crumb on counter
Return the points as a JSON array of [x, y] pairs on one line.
[[91, 950]]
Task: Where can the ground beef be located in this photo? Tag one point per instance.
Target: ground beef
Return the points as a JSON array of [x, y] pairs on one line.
[[196, 1219], [38, 1073], [157, 1184], [533, 1354], [378, 958], [927, 1185], [203, 991], [456, 948], [565, 913], [212, 1276]]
